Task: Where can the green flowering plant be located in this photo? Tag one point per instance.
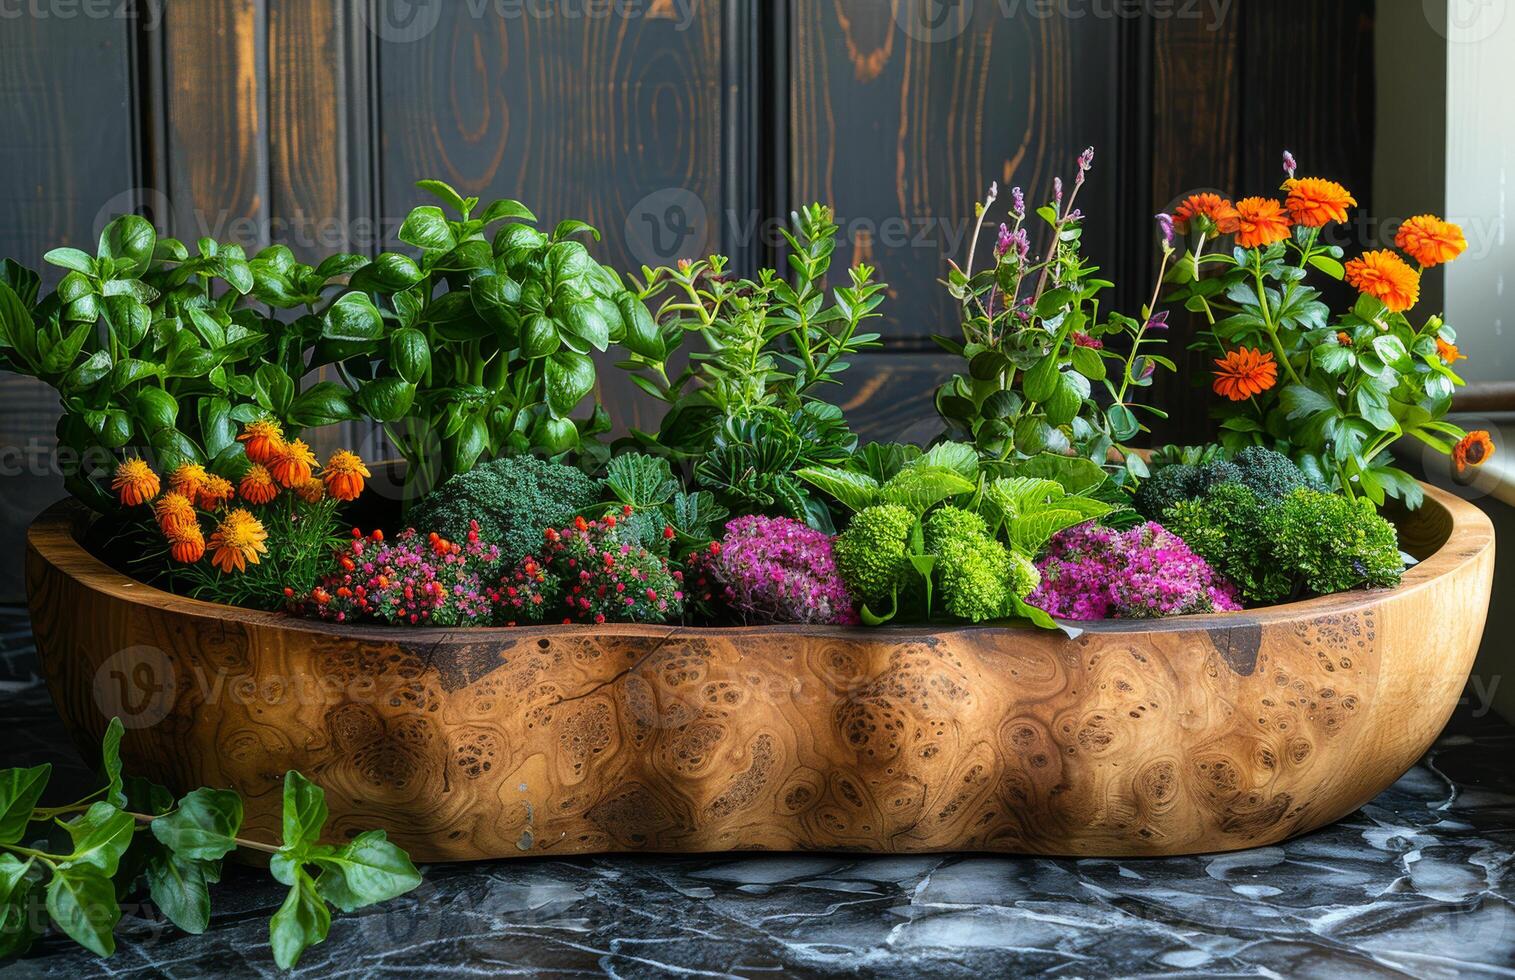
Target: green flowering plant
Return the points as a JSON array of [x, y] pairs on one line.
[[747, 412], [159, 352], [1333, 392], [1047, 370], [481, 347], [131, 834]]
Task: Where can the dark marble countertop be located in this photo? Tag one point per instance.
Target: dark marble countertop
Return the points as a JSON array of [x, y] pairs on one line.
[[1420, 883]]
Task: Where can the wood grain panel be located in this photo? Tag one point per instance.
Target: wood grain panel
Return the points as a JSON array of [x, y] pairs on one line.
[[68, 112], [901, 127], [1191, 735], [216, 123], [607, 118], [1197, 110], [308, 155]]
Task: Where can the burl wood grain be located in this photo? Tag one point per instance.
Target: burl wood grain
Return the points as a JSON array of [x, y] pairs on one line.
[[1198, 734]]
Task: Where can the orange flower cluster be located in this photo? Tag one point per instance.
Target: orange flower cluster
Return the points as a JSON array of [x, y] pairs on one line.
[[239, 539], [1245, 372]]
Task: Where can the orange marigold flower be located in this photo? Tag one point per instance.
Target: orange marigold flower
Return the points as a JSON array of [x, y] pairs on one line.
[[1210, 213], [1431, 241], [174, 510], [312, 491], [1474, 450], [1449, 352], [1244, 373], [344, 475], [1260, 222], [218, 490], [1315, 202], [189, 479], [258, 486], [238, 541], [1383, 274], [135, 483], [293, 464], [186, 543], [263, 439]]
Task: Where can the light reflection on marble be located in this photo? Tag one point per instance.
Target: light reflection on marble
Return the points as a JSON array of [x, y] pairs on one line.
[[1417, 883]]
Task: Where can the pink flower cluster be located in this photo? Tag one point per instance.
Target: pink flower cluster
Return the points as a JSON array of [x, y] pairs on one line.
[[778, 570], [412, 580], [1091, 572], [596, 572]]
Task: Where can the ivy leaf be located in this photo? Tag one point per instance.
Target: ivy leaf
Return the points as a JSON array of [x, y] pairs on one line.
[[304, 812], [19, 791], [203, 827], [82, 904], [17, 928], [180, 887], [854, 491], [302, 921], [101, 835], [110, 763], [367, 870]]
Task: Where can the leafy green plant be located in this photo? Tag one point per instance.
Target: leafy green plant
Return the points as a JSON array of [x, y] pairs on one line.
[[1039, 349], [946, 517], [646, 484], [482, 348], [1332, 392], [131, 832], [747, 412], [158, 352]]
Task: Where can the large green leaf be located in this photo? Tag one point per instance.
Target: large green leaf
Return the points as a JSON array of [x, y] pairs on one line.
[[918, 488], [569, 377], [301, 922], [19, 791], [367, 870], [854, 491], [204, 825], [82, 904], [100, 835], [180, 887]]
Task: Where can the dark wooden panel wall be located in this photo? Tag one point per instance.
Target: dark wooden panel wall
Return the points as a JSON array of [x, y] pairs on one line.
[[678, 128]]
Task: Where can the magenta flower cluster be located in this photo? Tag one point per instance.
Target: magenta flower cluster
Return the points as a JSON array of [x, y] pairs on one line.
[[1092, 572], [778, 570], [412, 580]]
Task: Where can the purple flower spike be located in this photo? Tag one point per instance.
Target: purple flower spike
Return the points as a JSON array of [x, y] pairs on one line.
[[1289, 165], [1086, 159], [1005, 241], [1158, 321], [1165, 227], [1057, 189], [1017, 202]]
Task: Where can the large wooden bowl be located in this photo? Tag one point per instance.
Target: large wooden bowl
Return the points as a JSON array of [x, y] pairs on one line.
[[1187, 735]]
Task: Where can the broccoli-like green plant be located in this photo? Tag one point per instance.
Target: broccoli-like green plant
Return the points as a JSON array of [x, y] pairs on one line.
[[980, 578], [1228, 528], [513, 500], [1308, 543], [1270, 475], [1334, 544], [871, 554]]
